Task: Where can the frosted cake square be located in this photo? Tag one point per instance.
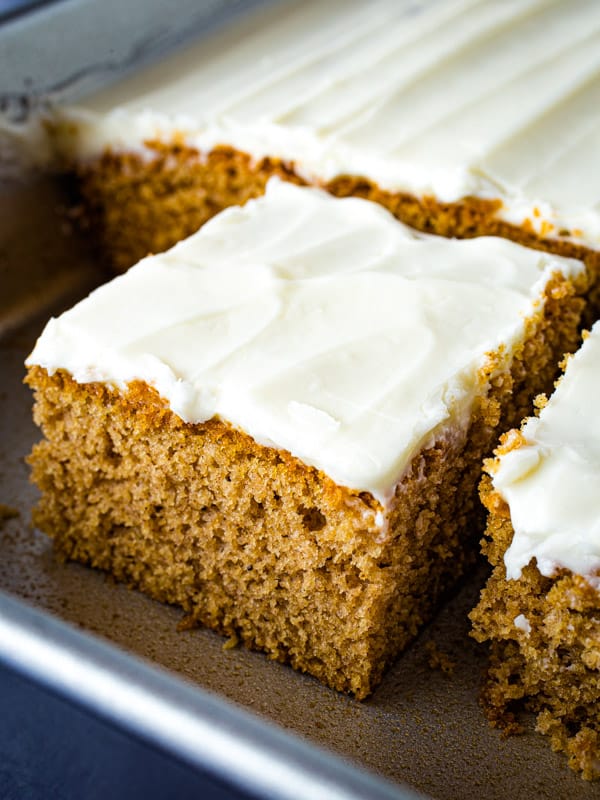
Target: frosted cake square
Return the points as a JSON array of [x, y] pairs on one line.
[[462, 118], [540, 610], [279, 423]]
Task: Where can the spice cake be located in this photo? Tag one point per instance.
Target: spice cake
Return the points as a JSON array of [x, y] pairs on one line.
[[279, 423], [540, 610], [462, 118]]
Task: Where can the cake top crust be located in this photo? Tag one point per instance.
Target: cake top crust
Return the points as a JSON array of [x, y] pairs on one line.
[[317, 325], [551, 480], [450, 98]]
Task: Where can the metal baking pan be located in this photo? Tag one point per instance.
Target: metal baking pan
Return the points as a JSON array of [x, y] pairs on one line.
[[250, 723]]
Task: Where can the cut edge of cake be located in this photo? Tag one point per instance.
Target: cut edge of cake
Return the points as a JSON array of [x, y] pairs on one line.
[[541, 626]]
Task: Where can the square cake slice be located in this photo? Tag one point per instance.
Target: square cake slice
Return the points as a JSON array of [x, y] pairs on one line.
[[541, 607], [279, 424]]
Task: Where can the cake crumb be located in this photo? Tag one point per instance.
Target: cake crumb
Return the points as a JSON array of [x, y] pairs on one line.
[[231, 643], [188, 623], [437, 659]]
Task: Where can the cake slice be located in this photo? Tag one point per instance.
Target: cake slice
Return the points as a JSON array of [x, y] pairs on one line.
[[540, 610], [462, 118], [279, 424]]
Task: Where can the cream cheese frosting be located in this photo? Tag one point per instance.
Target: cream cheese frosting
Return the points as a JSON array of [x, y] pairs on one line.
[[317, 325], [450, 98], [551, 482]]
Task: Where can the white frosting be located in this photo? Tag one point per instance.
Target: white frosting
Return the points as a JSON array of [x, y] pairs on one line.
[[317, 325], [444, 97], [552, 482]]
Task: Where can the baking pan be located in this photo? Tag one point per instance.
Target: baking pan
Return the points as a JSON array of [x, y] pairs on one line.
[[197, 728], [119, 654], [66, 48]]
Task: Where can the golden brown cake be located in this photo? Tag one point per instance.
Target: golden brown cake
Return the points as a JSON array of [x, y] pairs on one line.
[[279, 424], [540, 610], [461, 118]]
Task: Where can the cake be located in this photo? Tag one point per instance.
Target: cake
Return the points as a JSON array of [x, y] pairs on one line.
[[540, 609], [462, 118], [279, 424]]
